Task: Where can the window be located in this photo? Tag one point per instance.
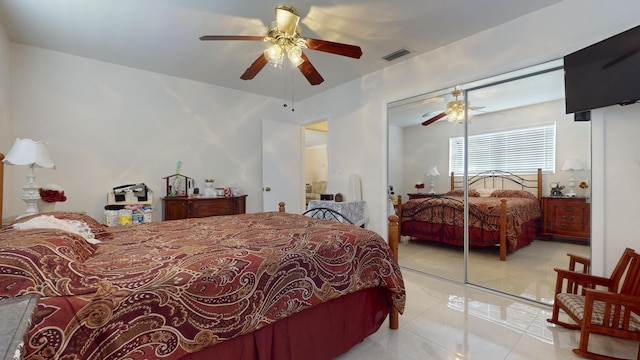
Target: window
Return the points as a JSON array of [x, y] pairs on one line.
[[520, 151]]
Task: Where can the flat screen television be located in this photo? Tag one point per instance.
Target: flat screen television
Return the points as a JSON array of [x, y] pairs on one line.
[[604, 74]]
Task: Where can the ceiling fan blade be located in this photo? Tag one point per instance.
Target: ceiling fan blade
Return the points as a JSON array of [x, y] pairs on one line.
[[434, 119], [351, 51], [310, 72], [230, 37], [255, 68], [286, 19]]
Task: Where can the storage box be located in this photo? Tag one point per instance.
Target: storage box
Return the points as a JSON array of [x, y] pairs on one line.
[[111, 217], [130, 199]]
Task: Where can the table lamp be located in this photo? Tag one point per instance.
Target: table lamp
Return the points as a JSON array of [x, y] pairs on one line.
[[432, 173], [33, 154], [572, 165]]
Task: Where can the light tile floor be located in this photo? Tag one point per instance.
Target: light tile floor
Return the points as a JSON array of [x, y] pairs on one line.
[[448, 320], [527, 272]]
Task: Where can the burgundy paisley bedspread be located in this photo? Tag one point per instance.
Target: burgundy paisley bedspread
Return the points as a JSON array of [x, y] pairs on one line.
[[162, 290], [484, 212]]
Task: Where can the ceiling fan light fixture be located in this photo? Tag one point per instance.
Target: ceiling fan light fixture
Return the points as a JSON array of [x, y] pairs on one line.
[[274, 55], [457, 116], [295, 55]]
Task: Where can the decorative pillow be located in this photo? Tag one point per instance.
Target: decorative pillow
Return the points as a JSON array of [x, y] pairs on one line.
[[513, 194], [100, 231], [472, 193], [485, 192], [50, 222], [69, 245]]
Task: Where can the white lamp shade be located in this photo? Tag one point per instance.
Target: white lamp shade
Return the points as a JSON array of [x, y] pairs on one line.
[[29, 152], [572, 165], [433, 171]]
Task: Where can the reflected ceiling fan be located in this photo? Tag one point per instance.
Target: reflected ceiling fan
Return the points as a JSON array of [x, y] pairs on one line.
[[455, 110], [285, 36]]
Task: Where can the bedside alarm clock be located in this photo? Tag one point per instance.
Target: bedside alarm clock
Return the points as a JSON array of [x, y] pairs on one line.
[[556, 189]]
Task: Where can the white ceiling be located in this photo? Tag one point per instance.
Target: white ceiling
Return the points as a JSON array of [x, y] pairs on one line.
[[162, 36]]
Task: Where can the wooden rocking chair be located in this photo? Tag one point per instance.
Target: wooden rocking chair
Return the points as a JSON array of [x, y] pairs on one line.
[[599, 305]]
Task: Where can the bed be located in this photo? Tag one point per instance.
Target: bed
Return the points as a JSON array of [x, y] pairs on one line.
[[503, 212], [252, 286]]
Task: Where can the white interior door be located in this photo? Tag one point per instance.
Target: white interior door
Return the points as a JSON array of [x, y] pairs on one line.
[[281, 165]]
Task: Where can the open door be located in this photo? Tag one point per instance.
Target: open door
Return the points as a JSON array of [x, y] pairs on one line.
[[282, 165]]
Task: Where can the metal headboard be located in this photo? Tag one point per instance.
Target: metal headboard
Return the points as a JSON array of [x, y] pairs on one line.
[[498, 179], [327, 214]]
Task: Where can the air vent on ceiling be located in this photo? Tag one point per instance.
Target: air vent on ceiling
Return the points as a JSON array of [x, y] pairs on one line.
[[396, 54]]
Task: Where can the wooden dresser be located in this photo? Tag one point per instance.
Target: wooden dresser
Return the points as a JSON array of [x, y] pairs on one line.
[[174, 208], [566, 217]]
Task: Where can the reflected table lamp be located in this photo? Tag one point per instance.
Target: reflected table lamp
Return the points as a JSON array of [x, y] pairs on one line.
[[572, 165], [432, 173], [30, 153]]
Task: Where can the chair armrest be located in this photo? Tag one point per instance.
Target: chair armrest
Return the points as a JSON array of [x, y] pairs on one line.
[[577, 280], [577, 259], [613, 298]]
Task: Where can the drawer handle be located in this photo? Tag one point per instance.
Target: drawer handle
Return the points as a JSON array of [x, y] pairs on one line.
[[569, 208], [568, 218]]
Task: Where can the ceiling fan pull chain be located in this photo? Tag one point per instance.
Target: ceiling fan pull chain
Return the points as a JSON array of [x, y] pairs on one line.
[[284, 97], [293, 102]]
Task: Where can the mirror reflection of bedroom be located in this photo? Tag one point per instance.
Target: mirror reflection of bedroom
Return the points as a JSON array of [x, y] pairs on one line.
[[316, 159], [501, 131]]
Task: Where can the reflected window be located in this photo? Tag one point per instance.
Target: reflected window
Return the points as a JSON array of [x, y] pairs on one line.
[[519, 151]]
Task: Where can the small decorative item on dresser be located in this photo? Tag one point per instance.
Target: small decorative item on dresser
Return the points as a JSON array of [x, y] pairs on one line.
[[178, 185], [209, 190], [338, 197], [419, 186]]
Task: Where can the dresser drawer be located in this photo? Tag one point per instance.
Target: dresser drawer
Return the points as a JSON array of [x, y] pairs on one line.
[[211, 208], [194, 207]]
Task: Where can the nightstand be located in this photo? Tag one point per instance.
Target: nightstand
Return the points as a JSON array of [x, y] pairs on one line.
[[566, 217]]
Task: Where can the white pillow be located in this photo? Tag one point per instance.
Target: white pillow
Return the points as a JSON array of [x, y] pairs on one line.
[[485, 192], [51, 222]]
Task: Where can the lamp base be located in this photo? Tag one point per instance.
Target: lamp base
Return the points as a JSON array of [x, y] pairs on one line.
[[30, 194], [572, 188]]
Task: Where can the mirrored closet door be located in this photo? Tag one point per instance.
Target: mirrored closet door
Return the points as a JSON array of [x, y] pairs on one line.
[[493, 135]]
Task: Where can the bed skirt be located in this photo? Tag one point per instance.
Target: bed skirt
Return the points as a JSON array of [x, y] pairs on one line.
[[454, 235], [321, 332]]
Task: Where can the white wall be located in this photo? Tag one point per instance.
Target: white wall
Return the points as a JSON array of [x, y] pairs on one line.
[[358, 123], [108, 125], [5, 106], [316, 164]]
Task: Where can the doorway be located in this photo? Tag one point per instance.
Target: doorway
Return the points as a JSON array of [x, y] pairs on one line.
[[316, 159]]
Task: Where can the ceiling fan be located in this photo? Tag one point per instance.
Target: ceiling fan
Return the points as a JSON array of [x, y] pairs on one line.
[[285, 36], [455, 110]]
